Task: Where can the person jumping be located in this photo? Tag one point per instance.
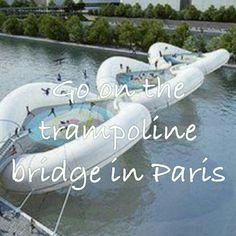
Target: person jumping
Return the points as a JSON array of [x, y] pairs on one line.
[[46, 91], [29, 112]]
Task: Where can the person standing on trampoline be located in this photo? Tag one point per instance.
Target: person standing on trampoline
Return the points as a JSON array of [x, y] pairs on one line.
[[52, 112], [59, 77], [85, 74], [92, 104], [71, 104]]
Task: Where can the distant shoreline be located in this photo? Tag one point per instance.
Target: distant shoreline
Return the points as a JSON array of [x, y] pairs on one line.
[[109, 49]]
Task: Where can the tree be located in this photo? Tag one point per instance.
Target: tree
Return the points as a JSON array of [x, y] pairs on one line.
[[191, 13], [99, 32], [213, 44], [17, 3], [3, 4], [53, 28], [169, 12], [150, 32], [128, 10], [209, 14], [80, 5], [220, 15], [201, 43], [24, 3], [230, 14], [75, 29], [3, 18], [51, 3], [12, 26], [30, 25], [190, 43], [228, 41], [32, 3], [126, 33], [159, 11], [180, 34], [137, 11], [149, 11], [69, 5], [108, 10], [120, 10], [195, 43]]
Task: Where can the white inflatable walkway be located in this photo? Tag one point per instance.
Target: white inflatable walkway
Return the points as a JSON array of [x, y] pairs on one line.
[[119, 71], [164, 55], [171, 75], [30, 151]]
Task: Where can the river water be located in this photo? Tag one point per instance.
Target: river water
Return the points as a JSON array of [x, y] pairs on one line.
[[146, 207]]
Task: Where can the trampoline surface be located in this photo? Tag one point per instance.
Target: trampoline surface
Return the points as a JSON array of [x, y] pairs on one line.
[[136, 80], [64, 116]]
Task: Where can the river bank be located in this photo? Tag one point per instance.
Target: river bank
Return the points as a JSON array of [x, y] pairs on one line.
[[109, 49]]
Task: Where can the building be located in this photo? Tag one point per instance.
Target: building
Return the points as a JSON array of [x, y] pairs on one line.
[[89, 3], [205, 4], [98, 3]]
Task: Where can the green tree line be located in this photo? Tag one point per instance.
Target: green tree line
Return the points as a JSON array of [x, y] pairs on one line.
[[124, 34], [18, 3], [69, 4], [159, 11]]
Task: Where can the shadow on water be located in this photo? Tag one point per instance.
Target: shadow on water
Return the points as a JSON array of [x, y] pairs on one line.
[[228, 81], [102, 204], [178, 201], [184, 200], [98, 205]]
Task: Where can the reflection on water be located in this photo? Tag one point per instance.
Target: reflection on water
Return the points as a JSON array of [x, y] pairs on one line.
[[132, 208]]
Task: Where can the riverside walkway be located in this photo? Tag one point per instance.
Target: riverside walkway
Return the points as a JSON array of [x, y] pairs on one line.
[[15, 222], [195, 26]]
